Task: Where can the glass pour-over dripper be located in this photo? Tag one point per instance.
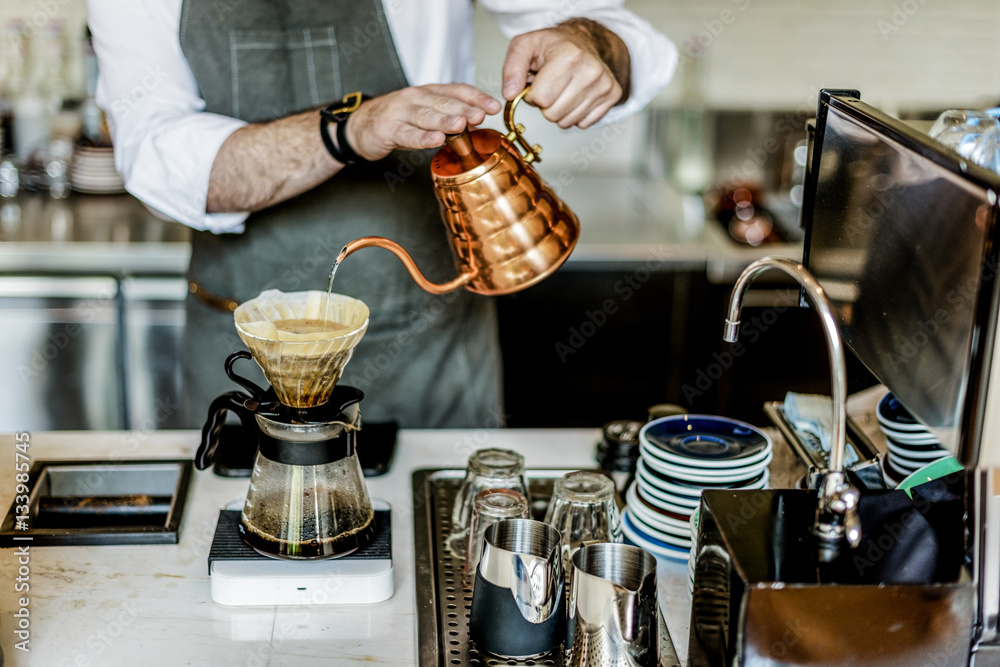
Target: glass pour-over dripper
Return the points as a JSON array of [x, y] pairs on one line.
[[302, 340]]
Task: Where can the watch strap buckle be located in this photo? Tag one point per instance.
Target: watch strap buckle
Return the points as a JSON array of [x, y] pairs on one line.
[[351, 103]]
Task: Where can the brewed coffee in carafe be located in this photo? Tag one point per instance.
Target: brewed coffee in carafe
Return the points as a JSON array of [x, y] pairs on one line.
[[307, 511], [307, 496]]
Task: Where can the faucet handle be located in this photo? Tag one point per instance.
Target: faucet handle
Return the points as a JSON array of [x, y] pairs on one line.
[[837, 511], [852, 528], [845, 500]]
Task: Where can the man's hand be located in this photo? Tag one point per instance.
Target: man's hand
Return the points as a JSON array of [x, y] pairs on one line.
[[416, 118], [581, 69]]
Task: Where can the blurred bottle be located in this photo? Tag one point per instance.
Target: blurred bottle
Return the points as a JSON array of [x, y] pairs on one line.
[[31, 109], [31, 124], [690, 135], [10, 180], [90, 70], [10, 209], [58, 157], [94, 127], [12, 75], [49, 65]]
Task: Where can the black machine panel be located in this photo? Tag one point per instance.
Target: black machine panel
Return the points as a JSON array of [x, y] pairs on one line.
[[900, 232]]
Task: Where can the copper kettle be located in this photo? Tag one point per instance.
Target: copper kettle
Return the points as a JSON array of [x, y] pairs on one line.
[[508, 230]]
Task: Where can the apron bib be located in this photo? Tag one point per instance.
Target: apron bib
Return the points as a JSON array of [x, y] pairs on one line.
[[426, 361]]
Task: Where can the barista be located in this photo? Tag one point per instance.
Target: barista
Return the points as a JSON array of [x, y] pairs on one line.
[[214, 109]]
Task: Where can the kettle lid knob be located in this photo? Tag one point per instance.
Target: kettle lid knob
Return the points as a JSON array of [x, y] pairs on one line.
[[461, 144]]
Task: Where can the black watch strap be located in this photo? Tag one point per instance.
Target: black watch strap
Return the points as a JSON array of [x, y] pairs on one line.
[[338, 113]]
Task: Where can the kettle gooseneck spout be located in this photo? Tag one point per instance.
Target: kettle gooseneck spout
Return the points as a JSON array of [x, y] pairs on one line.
[[411, 266], [836, 512]]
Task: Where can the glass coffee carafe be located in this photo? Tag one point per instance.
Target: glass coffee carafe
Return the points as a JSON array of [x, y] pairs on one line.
[[307, 496]]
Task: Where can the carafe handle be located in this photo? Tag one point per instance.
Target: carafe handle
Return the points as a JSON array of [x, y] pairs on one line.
[[211, 432], [515, 132], [411, 266], [255, 391]]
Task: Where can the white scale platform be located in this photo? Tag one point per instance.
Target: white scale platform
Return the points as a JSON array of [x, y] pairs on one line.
[[242, 576]]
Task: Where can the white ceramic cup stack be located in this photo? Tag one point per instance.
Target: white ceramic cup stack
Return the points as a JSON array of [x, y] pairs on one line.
[[911, 444], [93, 171], [681, 456]]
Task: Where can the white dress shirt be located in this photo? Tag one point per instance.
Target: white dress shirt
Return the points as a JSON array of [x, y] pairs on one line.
[[165, 143]]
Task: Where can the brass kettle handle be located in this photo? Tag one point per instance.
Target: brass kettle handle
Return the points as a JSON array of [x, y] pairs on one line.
[[515, 132]]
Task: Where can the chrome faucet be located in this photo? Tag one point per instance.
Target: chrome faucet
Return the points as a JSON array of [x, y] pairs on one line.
[[836, 511]]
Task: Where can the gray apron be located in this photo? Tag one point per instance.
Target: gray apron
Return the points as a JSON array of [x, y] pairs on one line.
[[426, 361]]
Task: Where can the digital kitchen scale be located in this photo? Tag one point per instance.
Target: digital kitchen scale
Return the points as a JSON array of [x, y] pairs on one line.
[[241, 576]]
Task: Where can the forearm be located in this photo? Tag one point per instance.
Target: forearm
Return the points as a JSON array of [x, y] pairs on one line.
[[264, 164], [609, 47]]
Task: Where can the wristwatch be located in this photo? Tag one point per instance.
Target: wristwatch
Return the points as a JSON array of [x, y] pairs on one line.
[[338, 113]]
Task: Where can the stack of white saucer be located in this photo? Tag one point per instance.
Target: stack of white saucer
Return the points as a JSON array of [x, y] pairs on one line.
[[679, 458], [911, 444], [93, 171]]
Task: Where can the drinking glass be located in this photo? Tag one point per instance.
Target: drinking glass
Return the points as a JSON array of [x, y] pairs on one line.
[[491, 505], [57, 161], [974, 135], [10, 180], [583, 510], [487, 469]]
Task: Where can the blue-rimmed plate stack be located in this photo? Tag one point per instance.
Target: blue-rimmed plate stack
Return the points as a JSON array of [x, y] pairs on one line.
[[911, 444], [680, 457]]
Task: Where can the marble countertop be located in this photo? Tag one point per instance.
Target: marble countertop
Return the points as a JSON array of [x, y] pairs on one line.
[[151, 604]]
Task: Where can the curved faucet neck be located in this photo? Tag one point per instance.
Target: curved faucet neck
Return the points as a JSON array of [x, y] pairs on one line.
[[836, 515], [817, 298]]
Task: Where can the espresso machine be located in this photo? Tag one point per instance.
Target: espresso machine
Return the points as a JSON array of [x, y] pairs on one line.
[[307, 500], [900, 265]]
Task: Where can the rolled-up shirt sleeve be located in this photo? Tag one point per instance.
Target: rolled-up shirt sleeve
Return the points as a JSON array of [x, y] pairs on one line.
[[652, 56], [165, 142]]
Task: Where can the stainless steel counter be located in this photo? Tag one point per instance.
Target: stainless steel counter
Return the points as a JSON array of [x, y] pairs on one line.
[[92, 291], [88, 234]]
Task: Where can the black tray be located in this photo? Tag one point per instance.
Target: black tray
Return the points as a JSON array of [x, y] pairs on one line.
[[99, 502]]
